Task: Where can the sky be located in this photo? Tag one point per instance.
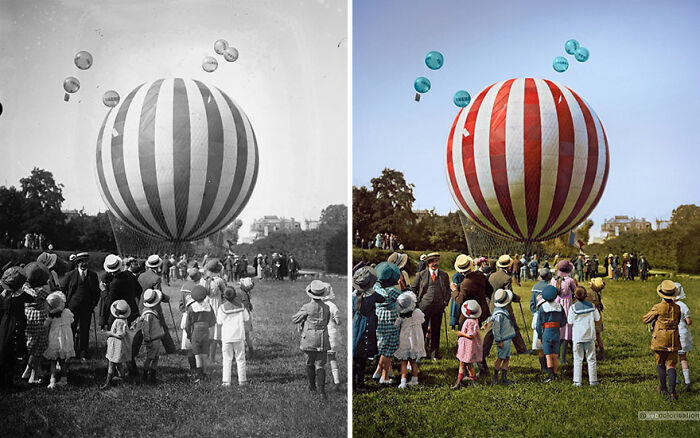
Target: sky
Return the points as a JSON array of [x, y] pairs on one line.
[[641, 80], [291, 80]]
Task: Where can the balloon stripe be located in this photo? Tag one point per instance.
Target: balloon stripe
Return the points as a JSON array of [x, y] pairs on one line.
[[181, 152], [566, 155], [120, 169], [215, 152], [164, 152], [605, 175], [532, 146], [497, 154], [147, 156]]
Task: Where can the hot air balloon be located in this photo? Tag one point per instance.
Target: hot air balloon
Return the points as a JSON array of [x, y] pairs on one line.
[[527, 160], [176, 159]]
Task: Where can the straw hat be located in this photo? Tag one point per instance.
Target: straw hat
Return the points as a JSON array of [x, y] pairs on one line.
[[502, 297], [120, 309], [317, 289], [364, 278], [154, 261], [406, 302], [246, 283], [56, 301], [399, 259], [151, 297], [422, 256], [545, 274], [112, 263], [81, 257], [464, 263], [431, 256], [597, 283], [667, 290], [13, 278], [46, 259], [504, 261], [471, 309], [681, 292]]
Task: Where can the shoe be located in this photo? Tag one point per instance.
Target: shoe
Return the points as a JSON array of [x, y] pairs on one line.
[[402, 385], [243, 383], [674, 396], [494, 380], [577, 384], [687, 386], [386, 382], [457, 385], [62, 382], [506, 382], [661, 391], [594, 383], [412, 382], [376, 376], [550, 379], [226, 384], [34, 381]]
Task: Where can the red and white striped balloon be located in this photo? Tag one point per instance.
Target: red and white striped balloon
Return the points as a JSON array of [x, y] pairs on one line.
[[527, 160], [176, 159]]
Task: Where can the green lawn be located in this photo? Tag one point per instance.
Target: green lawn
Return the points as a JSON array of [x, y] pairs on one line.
[[530, 408], [276, 402]]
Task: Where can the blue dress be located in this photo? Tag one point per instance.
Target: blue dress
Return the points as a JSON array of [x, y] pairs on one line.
[[364, 326], [455, 311]]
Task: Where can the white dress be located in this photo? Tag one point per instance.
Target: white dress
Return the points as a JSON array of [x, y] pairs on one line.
[[411, 340], [217, 285], [333, 328], [60, 337], [683, 330]]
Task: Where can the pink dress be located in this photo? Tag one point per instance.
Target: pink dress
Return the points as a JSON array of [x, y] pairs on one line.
[[470, 350], [566, 299]]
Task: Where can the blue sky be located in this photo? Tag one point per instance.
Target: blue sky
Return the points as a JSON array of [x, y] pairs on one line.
[[641, 80]]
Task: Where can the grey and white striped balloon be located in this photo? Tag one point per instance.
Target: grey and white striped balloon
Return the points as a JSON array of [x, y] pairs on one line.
[[176, 159]]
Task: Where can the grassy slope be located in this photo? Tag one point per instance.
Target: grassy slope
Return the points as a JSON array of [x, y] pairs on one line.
[[530, 408], [277, 401]]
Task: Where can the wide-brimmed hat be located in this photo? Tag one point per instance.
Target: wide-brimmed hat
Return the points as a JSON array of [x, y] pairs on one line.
[[580, 293], [431, 256], [213, 266], [151, 297], [364, 278], [246, 283], [504, 261], [667, 290], [422, 256], [565, 266], [471, 309], [112, 263], [388, 272], [198, 292], [154, 261], [331, 294], [318, 289], [13, 278], [194, 274], [399, 259], [120, 309], [37, 274], [47, 259], [81, 257], [549, 293], [464, 263], [502, 297], [129, 260], [545, 274], [56, 301], [597, 283], [681, 292], [406, 302]]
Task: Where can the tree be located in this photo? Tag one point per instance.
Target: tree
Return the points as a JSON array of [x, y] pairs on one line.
[[362, 210], [685, 216], [43, 200], [334, 216], [393, 203], [12, 206]]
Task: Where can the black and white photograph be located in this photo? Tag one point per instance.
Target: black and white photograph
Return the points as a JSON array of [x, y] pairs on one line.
[[173, 217]]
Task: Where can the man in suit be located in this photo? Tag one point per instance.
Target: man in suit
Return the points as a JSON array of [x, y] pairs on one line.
[[151, 279], [432, 287], [82, 289]]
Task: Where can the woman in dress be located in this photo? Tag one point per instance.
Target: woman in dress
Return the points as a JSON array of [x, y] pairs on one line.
[[388, 276], [37, 335], [364, 323]]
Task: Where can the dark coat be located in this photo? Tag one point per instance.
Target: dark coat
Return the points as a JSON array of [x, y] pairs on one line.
[[474, 287], [442, 289], [81, 295], [122, 287]]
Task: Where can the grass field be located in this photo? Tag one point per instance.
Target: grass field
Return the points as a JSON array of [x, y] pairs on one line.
[[530, 408], [275, 403]]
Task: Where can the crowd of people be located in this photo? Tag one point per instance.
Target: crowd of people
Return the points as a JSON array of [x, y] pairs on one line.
[[386, 241], [394, 318]]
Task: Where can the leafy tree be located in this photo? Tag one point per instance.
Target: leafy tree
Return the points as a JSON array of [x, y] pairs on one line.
[[362, 210], [393, 203], [12, 206], [42, 207], [334, 216], [685, 216]]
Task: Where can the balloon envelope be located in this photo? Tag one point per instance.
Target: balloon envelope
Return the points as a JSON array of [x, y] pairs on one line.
[[560, 64], [111, 98], [527, 160], [570, 46], [220, 46], [71, 84], [434, 60], [209, 64], [231, 54], [582, 54], [83, 60], [176, 159], [461, 98], [421, 84]]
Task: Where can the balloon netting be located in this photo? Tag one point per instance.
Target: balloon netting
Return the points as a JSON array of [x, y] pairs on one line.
[[482, 244]]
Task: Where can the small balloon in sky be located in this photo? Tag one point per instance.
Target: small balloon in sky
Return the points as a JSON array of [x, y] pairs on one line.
[[570, 46], [0, 108], [434, 60], [560, 64], [231, 54], [71, 85], [582, 54], [111, 98], [421, 84], [83, 60], [220, 46], [209, 64], [461, 98]]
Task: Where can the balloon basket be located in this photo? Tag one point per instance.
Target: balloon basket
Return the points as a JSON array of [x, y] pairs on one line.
[[417, 98], [66, 97]]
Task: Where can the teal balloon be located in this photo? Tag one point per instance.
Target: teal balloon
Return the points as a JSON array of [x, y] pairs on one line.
[[582, 54], [560, 64], [570, 46], [434, 60], [422, 85], [461, 98]]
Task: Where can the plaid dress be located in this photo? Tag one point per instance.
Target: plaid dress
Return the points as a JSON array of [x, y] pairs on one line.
[[387, 332], [37, 334]]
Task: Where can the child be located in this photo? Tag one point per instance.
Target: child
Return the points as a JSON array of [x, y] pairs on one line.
[[232, 317], [364, 323], [194, 277], [469, 347], [37, 337], [118, 341], [583, 316], [60, 346], [566, 286], [313, 318], [686, 336], [411, 345], [334, 335], [152, 334], [536, 299], [246, 284], [200, 318], [503, 332], [12, 322], [666, 341], [594, 296], [215, 286], [550, 318]]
